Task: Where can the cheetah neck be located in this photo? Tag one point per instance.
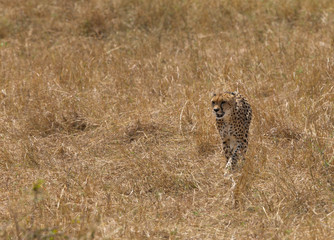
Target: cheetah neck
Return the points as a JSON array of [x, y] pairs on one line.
[[220, 123]]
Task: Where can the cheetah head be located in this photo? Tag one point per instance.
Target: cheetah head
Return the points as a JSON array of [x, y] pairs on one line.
[[223, 104]]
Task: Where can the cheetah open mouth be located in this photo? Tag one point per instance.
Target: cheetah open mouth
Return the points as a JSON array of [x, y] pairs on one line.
[[219, 116]]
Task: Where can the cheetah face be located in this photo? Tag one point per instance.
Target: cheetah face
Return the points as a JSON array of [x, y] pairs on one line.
[[222, 104]]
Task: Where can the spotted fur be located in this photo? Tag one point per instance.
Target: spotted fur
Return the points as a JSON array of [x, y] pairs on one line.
[[233, 118]]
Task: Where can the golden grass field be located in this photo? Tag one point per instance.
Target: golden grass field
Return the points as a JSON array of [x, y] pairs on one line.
[[107, 131]]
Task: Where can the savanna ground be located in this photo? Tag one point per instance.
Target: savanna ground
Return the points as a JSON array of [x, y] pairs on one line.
[[107, 132]]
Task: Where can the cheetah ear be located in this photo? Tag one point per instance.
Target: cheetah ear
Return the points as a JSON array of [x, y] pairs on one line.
[[238, 102]]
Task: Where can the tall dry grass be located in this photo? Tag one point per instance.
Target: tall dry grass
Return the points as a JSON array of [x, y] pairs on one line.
[[107, 132]]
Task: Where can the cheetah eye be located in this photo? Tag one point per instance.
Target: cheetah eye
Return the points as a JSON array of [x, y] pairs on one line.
[[223, 102], [213, 102]]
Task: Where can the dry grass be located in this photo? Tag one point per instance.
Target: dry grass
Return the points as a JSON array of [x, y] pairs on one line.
[[107, 132]]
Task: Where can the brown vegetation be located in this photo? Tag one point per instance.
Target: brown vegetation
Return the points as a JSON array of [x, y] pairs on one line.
[[107, 132]]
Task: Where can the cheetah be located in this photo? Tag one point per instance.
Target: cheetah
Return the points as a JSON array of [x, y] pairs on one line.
[[233, 118]]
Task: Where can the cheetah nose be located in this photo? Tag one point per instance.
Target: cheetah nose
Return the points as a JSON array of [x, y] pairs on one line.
[[216, 109]]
